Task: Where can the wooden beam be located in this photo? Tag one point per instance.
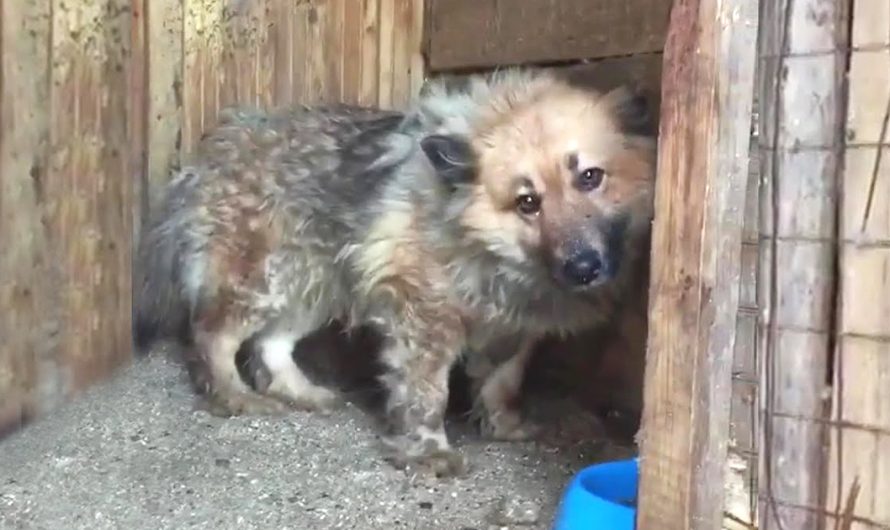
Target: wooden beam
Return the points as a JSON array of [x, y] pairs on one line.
[[27, 296], [474, 34], [801, 126], [707, 94]]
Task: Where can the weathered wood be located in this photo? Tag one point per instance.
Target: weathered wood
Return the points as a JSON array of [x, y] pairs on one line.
[[352, 51], [136, 66], [401, 53], [27, 294], [163, 93], [369, 82], [316, 69], [98, 102], [88, 186], [800, 129], [385, 53], [202, 43], [300, 78], [860, 446], [244, 34], [333, 50], [473, 34], [263, 61], [281, 37], [417, 66], [742, 465], [707, 96], [275, 52]]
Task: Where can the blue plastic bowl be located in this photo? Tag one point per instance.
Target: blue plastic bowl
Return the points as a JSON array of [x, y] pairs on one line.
[[601, 497]]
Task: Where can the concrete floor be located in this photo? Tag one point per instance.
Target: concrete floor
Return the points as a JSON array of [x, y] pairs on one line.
[[135, 453]]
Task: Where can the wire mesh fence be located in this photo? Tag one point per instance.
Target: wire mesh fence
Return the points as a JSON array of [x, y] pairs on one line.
[[824, 279]]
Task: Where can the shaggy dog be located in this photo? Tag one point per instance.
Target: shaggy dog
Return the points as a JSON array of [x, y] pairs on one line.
[[505, 209]]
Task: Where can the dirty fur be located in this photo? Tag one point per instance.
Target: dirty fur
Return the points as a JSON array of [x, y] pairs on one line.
[[467, 221]]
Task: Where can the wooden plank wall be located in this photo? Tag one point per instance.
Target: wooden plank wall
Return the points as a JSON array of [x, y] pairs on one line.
[[859, 453], [211, 53], [66, 200], [98, 102]]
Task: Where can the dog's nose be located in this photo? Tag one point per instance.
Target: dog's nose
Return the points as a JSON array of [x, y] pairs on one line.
[[584, 267]]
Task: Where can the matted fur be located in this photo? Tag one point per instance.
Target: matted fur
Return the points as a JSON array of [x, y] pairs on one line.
[[290, 219]]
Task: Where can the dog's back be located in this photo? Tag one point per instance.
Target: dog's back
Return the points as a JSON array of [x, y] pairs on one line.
[[283, 167]]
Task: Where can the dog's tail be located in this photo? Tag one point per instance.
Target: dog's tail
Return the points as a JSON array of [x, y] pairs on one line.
[[160, 306]]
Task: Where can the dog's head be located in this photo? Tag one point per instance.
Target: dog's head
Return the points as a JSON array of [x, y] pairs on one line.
[[551, 177]]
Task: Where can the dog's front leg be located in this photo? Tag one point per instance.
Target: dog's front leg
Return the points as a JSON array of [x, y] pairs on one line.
[[498, 396], [419, 359]]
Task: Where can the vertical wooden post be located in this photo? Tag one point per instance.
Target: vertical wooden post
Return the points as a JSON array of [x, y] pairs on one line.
[[26, 294], [137, 81], [89, 185], [803, 68], [707, 94], [163, 58]]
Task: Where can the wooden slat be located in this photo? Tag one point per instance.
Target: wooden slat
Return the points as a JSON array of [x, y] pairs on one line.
[[332, 34], [263, 52], [417, 67], [474, 34], [136, 66], [401, 58], [300, 80], [385, 53], [742, 464], [164, 93], [316, 67], [90, 219], [27, 293], [370, 59], [353, 30], [281, 35], [202, 64], [241, 33], [702, 172], [800, 102]]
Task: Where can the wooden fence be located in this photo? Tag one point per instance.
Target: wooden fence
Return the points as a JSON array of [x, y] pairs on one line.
[[98, 101]]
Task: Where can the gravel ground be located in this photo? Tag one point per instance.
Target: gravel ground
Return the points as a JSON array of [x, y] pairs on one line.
[[135, 453]]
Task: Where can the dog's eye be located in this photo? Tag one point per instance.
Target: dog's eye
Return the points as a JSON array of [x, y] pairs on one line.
[[528, 203], [591, 178]]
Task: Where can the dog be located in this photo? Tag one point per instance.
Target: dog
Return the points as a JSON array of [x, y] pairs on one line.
[[498, 211]]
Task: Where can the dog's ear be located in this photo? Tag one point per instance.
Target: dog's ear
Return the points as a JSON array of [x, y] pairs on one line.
[[632, 109], [452, 157]]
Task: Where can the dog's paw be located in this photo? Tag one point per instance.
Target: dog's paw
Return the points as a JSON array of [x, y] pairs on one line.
[[508, 426], [424, 457], [442, 464]]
